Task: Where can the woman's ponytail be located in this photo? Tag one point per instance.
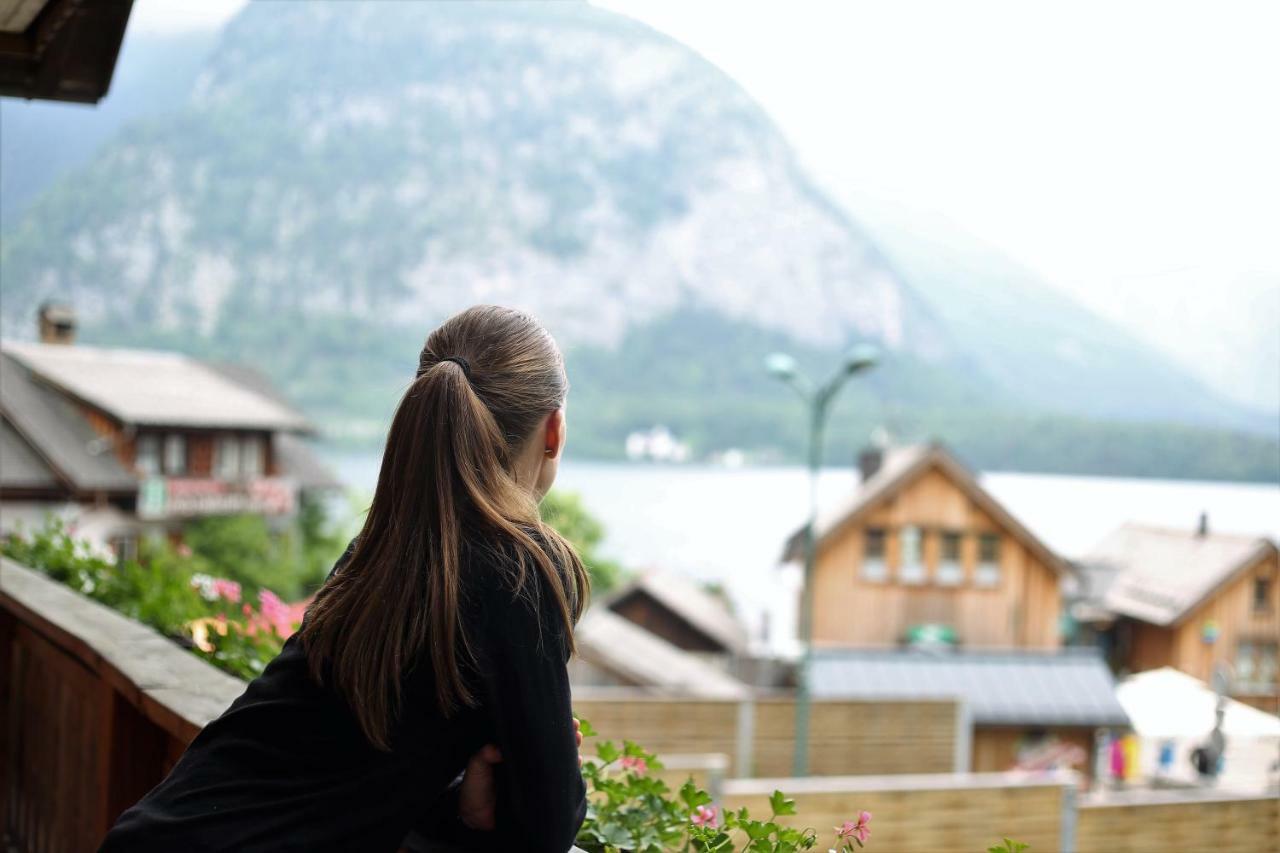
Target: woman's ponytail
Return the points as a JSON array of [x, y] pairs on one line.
[[485, 380]]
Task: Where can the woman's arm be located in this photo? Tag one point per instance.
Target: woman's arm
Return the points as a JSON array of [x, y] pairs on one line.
[[524, 654]]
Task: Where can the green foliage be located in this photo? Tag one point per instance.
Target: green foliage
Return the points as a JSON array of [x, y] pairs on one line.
[[169, 591], [292, 563], [1008, 846], [630, 810], [243, 548], [155, 590], [564, 511]]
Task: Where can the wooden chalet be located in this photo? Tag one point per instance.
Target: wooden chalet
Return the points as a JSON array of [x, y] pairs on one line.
[[124, 443], [925, 586], [1205, 603]]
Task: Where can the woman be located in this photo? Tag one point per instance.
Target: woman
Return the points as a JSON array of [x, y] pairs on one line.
[[438, 643]]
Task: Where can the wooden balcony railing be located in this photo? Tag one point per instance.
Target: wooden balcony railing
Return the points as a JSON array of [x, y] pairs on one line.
[[94, 710]]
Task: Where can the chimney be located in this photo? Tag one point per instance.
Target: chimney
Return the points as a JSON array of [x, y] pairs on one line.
[[57, 324], [869, 461], [1202, 529]]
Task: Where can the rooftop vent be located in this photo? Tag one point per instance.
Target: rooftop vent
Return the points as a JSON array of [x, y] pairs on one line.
[[57, 324]]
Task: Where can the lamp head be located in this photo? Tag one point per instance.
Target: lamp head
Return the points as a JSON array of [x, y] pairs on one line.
[[780, 365], [861, 357]]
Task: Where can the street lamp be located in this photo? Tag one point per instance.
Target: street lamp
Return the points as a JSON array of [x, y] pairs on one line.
[[818, 399]]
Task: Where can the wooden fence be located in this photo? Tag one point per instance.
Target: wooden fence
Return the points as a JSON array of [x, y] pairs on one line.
[[847, 736], [1158, 822], [934, 813]]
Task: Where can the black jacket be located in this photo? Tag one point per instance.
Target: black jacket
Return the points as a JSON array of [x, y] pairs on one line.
[[287, 768]]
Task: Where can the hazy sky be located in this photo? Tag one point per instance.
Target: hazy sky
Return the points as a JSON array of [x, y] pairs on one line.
[[1125, 150]]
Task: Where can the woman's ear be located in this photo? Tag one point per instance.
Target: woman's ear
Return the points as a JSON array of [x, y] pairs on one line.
[[555, 433]]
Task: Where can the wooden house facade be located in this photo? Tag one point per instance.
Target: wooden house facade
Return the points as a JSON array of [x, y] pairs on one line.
[[923, 544]]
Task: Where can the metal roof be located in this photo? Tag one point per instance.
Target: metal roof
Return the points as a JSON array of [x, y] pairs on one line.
[[615, 644], [1159, 574], [705, 612], [149, 388], [50, 424], [1067, 688]]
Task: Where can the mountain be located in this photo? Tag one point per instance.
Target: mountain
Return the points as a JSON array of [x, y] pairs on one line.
[[1034, 340], [338, 177], [39, 140]]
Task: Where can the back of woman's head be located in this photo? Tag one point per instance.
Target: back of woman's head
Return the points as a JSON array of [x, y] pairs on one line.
[[487, 379]]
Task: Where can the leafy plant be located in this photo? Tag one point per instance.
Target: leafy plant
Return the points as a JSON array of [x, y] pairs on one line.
[[630, 810], [168, 589], [1008, 846]]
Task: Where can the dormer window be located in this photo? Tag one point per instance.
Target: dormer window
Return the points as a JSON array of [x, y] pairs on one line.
[[950, 567], [988, 570], [873, 563], [912, 571], [146, 456]]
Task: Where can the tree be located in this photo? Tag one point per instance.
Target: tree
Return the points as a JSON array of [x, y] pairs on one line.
[[564, 512]]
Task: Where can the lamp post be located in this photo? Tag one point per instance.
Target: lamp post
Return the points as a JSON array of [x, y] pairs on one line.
[[818, 399]]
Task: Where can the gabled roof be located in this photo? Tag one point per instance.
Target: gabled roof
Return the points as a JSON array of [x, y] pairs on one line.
[[20, 465], [1160, 575], [608, 641], [1060, 688], [901, 467], [49, 427], [706, 613], [152, 388]]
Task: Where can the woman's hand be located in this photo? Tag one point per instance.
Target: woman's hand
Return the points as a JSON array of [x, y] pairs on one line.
[[478, 793]]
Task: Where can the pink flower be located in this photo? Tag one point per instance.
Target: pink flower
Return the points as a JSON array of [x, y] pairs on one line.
[[860, 830], [183, 549], [229, 590], [278, 616], [704, 816], [636, 765]]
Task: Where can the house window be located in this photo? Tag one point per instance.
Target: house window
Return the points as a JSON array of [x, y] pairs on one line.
[[147, 455], [912, 569], [873, 565], [175, 454], [251, 457], [1256, 665], [1261, 595], [988, 571], [226, 462], [950, 569]]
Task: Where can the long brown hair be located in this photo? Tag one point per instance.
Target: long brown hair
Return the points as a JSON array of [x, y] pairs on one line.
[[446, 482]]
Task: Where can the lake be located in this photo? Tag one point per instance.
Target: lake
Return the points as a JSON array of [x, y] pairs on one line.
[[729, 524]]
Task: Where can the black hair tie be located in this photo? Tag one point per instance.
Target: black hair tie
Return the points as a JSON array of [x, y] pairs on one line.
[[461, 362]]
